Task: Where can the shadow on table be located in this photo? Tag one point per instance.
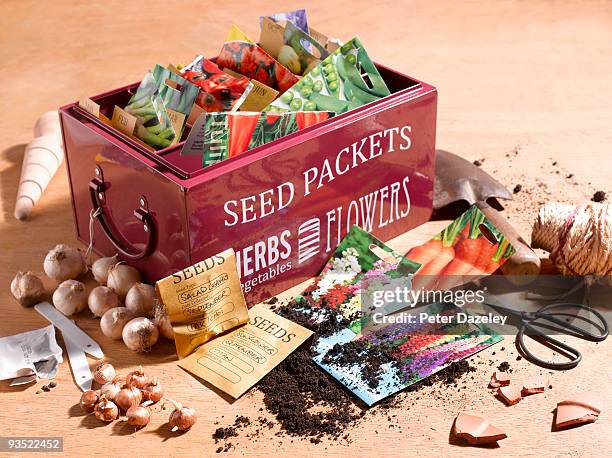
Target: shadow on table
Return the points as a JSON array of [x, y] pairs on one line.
[[9, 178]]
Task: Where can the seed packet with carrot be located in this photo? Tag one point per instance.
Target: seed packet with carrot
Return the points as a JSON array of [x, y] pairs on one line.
[[379, 361], [219, 136], [470, 247]]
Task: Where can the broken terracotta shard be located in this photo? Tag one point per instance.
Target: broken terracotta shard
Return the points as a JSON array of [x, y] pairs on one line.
[[534, 386], [580, 409], [499, 379], [510, 394], [476, 430]]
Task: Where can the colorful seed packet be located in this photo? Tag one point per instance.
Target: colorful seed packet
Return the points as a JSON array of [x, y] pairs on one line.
[[219, 136], [218, 91], [377, 360], [176, 92], [344, 80], [299, 51], [298, 18], [470, 247], [153, 126], [250, 60]]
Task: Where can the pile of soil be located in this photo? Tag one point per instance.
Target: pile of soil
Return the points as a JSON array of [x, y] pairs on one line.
[[308, 403]]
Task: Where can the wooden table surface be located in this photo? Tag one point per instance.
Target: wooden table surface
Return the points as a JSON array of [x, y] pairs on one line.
[[523, 85]]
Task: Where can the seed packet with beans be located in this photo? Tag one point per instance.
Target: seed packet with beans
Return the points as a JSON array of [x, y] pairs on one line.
[[344, 80], [153, 126]]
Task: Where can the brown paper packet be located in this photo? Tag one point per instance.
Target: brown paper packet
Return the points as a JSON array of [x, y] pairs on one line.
[[203, 301], [236, 361]]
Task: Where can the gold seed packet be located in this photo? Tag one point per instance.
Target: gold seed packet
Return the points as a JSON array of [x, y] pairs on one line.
[[203, 301], [236, 361]]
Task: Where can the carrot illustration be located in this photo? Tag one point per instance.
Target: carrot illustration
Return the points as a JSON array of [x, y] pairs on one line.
[[501, 254], [435, 254], [485, 255], [425, 253], [241, 128], [467, 252]]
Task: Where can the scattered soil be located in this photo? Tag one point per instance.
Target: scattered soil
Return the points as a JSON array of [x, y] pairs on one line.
[[517, 188], [309, 404], [599, 196], [371, 357], [504, 367]]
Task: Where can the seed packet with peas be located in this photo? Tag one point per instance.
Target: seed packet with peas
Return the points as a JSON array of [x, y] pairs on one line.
[[344, 80]]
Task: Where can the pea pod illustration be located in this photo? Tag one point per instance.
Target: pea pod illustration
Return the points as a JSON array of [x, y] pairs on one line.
[[337, 84], [352, 92], [328, 103]]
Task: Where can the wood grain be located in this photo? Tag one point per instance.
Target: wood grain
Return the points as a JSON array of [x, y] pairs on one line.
[[522, 85]]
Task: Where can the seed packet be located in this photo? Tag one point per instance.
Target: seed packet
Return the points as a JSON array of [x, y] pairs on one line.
[[298, 18], [218, 136], [298, 51], [29, 355], [177, 94], [250, 60], [203, 301], [470, 247], [376, 361], [236, 34], [344, 80], [236, 361], [218, 90], [153, 125]]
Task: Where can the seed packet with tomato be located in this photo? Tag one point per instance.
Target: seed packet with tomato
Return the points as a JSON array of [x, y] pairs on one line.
[[250, 60], [218, 90], [219, 136], [344, 80], [469, 248]]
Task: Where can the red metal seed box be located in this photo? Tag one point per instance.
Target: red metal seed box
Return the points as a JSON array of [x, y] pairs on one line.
[[283, 206]]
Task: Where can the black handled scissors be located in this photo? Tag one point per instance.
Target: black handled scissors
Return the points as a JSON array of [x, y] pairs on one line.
[[555, 318]]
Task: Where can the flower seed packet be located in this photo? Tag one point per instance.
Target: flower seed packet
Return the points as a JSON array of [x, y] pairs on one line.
[[344, 80], [377, 361], [153, 123], [298, 18], [237, 360], [219, 136], [250, 60]]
